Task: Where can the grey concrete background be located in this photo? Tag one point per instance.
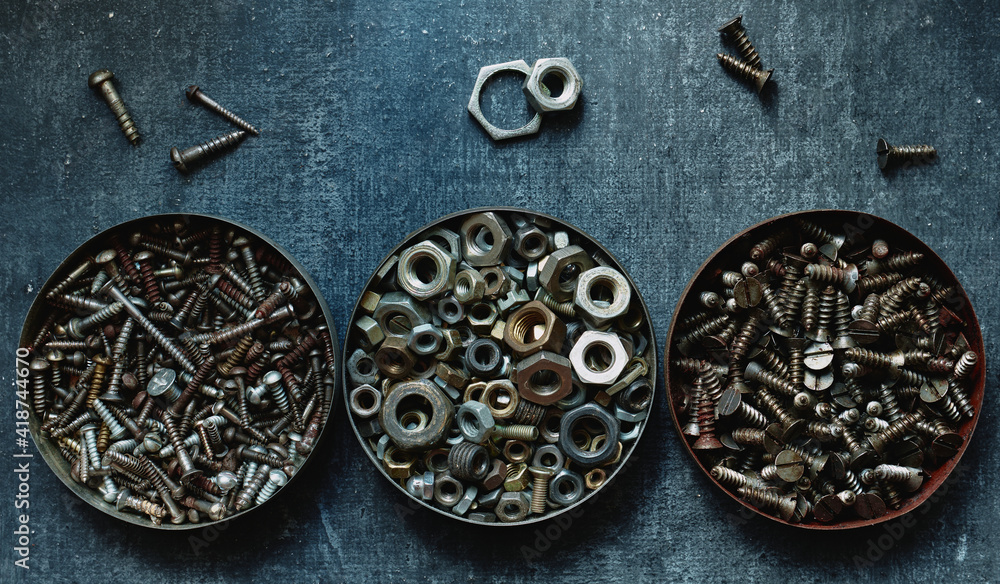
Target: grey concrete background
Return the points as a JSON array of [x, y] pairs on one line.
[[366, 138]]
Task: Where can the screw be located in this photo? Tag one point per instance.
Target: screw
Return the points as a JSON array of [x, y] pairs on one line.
[[126, 500], [736, 33], [745, 71], [540, 488], [101, 80], [890, 156], [214, 147], [196, 95]]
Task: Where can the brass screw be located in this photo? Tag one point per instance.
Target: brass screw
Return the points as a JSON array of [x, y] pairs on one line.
[[101, 80], [889, 155], [214, 147], [745, 71], [735, 31], [196, 95], [540, 488]]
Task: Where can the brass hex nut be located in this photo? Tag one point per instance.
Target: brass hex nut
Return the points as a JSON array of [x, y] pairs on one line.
[[369, 301], [552, 266], [394, 359], [425, 270], [452, 340], [532, 328], [397, 313], [486, 239], [397, 463], [451, 376], [501, 397], [470, 286], [544, 377], [481, 317], [602, 295], [540, 97], [598, 358], [497, 282], [369, 333], [429, 435]]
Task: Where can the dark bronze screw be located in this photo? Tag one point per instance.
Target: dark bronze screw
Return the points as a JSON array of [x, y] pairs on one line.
[[889, 156], [196, 95], [738, 35], [101, 80], [214, 147], [745, 71]]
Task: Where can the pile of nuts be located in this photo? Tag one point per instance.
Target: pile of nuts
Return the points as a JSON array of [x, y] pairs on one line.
[[184, 373], [501, 372], [827, 376]]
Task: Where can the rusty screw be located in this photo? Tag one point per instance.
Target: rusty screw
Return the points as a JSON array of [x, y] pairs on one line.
[[738, 35], [745, 71], [196, 95], [890, 156], [101, 81], [212, 148]]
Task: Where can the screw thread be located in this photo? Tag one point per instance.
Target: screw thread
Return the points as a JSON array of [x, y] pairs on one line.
[[771, 380], [116, 429], [893, 298], [539, 493], [516, 432], [268, 490], [730, 478], [144, 506]]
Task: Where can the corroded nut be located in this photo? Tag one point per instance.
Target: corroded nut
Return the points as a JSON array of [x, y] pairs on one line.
[[476, 110], [469, 286], [486, 239], [590, 414], [602, 295], [550, 457], [637, 396], [496, 476], [513, 506], [566, 487], [425, 339], [369, 333], [475, 421], [501, 397], [365, 401], [469, 461], [397, 313], [452, 343], [425, 270], [481, 317], [451, 376], [361, 368], [447, 490], [598, 358], [532, 328], [552, 266], [530, 242], [540, 97], [394, 359], [497, 282], [544, 377], [431, 434], [398, 464]]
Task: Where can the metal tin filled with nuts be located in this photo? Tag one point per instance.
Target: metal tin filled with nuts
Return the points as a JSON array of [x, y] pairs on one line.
[[825, 369], [499, 366], [181, 369]]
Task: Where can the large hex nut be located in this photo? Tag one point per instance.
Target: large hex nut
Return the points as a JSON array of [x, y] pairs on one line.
[[447, 240], [540, 97], [394, 359], [425, 270], [534, 327], [590, 412], [397, 313], [544, 378], [369, 332], [602, 295], [434, 433], [475, 108], [361, 368], [486, 239], [475, 421], [552, 266], [598, 358]]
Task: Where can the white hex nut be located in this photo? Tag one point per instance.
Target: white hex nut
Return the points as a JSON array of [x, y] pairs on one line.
[[592, 340]]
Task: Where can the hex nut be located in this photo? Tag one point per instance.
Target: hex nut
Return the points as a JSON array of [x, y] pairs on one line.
[[602, 295], [552, 266], [566, 487], [497, 475], [397, 313], [475, 421], [636, 397], [530, 242], [452, 343], [484, 359], [476, 110], [447, 240], [365, 401], [450, 310], [513, 506], [598, 358], [369, 333], [498, 283], [425, 339], [369, 301], [398, 464], [448, 490], [550, 457], [451, 376], [501, 397], [361, 368], [590, 412], [425, 270], [465, 503], [595, 479], [394, 359], [540, 97], [436, 430], [486, 239], [469, 461], [544, 377], [532, 328], [470, 286], [481, 317]]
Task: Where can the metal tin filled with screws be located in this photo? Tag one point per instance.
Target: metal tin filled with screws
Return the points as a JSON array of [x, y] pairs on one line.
[[825, 369], [182, 370], [495, 359]]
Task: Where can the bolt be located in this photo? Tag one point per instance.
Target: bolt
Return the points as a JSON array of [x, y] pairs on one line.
[[738, 35], [196, 95], [212, 148], [101, 80], [890, 156], [540, 488], [745, 71]]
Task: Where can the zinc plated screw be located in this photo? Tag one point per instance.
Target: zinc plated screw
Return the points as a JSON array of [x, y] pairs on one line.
[[214, 147], [735, 31], [745, 71], [196, 95], [889, 155], [101, 80]]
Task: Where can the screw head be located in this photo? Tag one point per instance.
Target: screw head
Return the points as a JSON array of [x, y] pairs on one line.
[[882, 150], [732, 25], [762, 80], [122, 496], [99, 77], [177, 159], [192, 90]]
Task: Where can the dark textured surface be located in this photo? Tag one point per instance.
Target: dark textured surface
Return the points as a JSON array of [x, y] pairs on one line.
[[366, 137]]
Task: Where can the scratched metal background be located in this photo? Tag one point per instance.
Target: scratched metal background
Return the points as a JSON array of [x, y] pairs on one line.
[[366, 138]]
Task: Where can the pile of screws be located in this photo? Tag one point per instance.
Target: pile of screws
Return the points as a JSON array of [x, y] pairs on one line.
[[184, 373], [747, 66], [499, 367], [828, 375]]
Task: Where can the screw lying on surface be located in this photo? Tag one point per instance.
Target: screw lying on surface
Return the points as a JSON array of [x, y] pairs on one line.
[[212, 148], [745, 71], [890, 156], [101, 81], [196, 95], [735, 31]]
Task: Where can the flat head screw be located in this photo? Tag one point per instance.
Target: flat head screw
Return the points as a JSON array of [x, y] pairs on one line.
[[196, 95], [746, 72], [738, 35], [889, 155], [212, 148], [101, 81]]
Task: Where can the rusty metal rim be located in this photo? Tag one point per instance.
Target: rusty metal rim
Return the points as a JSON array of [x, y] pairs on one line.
[[440, 221], [747, 238], [50, 453]]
